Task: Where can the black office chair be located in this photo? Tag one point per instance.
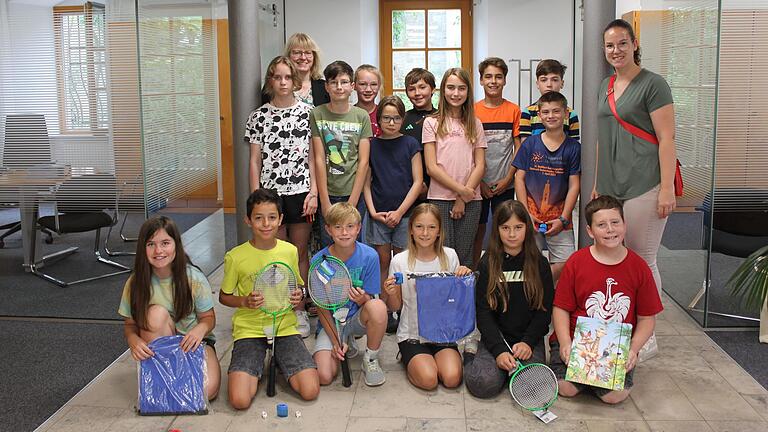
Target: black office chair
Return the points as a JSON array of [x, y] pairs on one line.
[[26, 145], [84, 203]]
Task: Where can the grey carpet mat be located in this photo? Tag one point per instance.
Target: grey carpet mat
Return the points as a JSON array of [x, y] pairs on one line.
[[25, 295], [683, 231], [744, 347], [45, 364]]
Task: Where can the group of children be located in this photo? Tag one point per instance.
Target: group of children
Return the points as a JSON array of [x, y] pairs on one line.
[[421, 185]]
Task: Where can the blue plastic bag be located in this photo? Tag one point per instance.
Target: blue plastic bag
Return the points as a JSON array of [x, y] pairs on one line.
[[172, 382], [445, 306]]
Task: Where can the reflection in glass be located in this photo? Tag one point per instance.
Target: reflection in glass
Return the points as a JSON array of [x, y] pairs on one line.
[[440, 61], [445, 28], [408, 29], [402, 63]]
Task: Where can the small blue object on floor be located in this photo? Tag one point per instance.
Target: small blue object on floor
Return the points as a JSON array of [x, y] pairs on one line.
[[282, 410], [172, 382]]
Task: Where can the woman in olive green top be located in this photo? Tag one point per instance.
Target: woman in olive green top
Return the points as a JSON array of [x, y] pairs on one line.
[[638, 172]]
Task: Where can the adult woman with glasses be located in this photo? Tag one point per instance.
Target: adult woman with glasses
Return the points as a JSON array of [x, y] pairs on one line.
[[630, 165], [304, 53]]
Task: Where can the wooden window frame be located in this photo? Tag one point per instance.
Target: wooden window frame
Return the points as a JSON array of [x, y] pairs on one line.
[[385, 34], [86, 9]]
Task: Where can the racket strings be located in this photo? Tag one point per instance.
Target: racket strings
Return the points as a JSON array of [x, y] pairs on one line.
[[329, 288], [534, 387], [276, 284]]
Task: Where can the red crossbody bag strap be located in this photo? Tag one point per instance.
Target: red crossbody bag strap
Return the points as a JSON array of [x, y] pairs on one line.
[[639, 133], [634, 130]]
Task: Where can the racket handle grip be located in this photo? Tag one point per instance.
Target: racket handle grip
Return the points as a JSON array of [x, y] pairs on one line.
[[271, 380], [346, 378]]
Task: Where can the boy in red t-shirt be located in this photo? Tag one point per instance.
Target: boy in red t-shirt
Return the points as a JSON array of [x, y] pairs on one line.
[[606, 281]]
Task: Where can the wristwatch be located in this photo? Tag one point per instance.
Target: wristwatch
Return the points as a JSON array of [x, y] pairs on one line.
[[565, 221]]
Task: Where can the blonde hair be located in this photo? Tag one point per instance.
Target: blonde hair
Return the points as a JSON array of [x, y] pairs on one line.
[[267, 89], [372, 69], [302, 41], [426, 208], [342, 212], [468, 119]]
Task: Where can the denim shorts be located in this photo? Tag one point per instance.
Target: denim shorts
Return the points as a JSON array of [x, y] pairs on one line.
[[380, 234], [353, 328], [290, 353]]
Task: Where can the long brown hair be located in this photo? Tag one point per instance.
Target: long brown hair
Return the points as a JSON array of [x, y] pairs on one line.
[[427, 208], [468, 119], [533, 288], [141, 289]]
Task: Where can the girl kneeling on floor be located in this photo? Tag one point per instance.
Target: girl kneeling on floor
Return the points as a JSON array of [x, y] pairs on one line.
[[426, 363], [513, 301], [167, 295]]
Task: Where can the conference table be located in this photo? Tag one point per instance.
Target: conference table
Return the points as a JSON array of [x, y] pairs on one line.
[[28, 187]]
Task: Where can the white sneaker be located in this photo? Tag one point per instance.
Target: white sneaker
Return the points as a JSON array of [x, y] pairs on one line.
[[373, 373], [302, 323]]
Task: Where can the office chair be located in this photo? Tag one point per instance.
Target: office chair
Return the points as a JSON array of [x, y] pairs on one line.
[[26, 145], [82, 205]]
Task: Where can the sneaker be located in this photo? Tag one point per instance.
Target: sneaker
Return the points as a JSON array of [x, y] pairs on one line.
[[302, 323], [393, 321], [374, 375], [352, 349]]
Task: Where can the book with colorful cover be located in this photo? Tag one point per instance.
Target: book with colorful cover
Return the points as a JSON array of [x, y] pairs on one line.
[[599, 353]]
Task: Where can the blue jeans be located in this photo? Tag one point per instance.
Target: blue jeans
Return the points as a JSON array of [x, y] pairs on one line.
[[325, 238]]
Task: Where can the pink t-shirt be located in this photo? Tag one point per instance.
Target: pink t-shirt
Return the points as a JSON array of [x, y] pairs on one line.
[[454, 154]]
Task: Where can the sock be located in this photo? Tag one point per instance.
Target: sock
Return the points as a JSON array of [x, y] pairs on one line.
[[371, 354]]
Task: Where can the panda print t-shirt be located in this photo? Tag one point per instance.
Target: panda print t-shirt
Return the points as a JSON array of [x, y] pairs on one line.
[[284, 137]]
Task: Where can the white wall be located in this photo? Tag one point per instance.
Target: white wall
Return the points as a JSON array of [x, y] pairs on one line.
[[348, 30]]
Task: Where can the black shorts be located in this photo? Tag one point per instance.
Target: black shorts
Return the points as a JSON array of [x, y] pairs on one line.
[[293, 207], [411, 348]]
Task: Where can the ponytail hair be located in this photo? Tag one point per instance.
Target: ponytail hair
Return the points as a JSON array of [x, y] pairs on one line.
[[620, 23]]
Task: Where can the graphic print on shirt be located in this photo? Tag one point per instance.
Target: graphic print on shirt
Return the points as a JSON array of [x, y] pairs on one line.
[[546, 166], [606, 306], [337, 138]]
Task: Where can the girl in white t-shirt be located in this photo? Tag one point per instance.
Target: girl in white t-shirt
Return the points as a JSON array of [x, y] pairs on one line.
[[279, 137], [454, 151], [426, 363]]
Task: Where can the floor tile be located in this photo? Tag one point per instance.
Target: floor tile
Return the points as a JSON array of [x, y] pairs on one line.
[[85, 419], [759, 402], [676, 355], [116, 387], [436, 425], [726, 367], [588, 407], [501, 407], [376, 424], [714, 398], [617, 426], [213, 422], [664, 327], [679, 426], [649, 385], [738, 426], [409, 401], [533, 425], [130, 422]]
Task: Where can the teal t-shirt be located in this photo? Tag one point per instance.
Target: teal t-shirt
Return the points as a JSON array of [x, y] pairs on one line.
[[628, 166], [162, 295], [341, 135]]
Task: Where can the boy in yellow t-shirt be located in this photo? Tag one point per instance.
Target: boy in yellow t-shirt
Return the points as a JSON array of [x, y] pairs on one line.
[[240, 263]]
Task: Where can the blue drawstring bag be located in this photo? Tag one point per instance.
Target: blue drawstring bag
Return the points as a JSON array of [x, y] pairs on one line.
[[445, 306], [172, 382]]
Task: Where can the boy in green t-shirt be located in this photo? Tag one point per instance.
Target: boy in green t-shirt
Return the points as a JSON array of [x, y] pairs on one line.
[[340, 144], [240, 264]]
